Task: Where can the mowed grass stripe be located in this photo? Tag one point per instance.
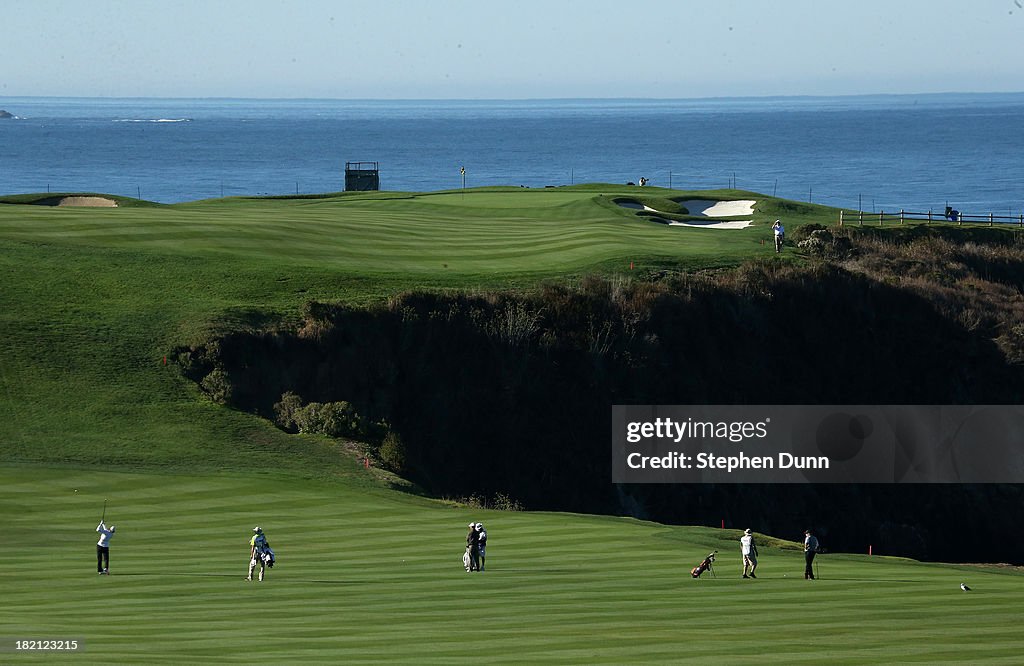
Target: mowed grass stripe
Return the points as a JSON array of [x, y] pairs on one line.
[[558, 586]]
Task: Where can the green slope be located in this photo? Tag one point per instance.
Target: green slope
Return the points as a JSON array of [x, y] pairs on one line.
[[367, 576], [92, 299]]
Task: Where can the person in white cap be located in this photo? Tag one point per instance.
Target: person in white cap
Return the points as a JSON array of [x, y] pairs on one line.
[[103, 548], [257, 546], [473, 545], [749, 550], [481, 535]]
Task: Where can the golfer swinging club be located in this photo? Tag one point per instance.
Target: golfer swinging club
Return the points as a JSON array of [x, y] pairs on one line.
[[103, 548]]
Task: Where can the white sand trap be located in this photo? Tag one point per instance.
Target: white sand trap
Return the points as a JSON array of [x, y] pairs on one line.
[[719, 208], [707, 209], [732, 224], [93, 202]]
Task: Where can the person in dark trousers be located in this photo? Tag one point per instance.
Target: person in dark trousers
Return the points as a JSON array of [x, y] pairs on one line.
[[103, 548], [748, 550], [481, 537], [473, 544], [810, 548]]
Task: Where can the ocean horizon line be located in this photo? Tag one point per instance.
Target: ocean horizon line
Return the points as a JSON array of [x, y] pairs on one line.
[[414, 100]]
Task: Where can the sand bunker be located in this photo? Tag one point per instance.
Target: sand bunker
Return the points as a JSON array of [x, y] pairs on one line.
[[733, 224], [706, 208], [719, 208], [94, 202]]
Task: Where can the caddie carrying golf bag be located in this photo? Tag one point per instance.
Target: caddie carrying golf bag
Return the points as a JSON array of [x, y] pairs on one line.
[[705, 565]]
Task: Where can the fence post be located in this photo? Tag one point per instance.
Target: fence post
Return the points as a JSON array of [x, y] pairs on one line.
[[840, 217], [990, 218], [881, 216], [929, 217], [1022, 220], [901, 216], [860, 218], [960, 220]]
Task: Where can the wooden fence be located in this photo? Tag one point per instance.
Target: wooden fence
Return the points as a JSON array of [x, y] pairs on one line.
[[880, 218]]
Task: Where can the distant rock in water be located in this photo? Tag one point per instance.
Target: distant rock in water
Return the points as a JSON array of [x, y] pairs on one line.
[[5, 114]]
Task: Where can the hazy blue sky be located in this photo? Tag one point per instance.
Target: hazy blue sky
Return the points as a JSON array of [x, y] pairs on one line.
[[521, 49]]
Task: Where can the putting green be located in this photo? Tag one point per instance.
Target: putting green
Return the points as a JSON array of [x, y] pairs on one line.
[[455, 236]]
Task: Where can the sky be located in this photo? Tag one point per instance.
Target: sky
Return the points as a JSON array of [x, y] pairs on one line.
[[454, 49]]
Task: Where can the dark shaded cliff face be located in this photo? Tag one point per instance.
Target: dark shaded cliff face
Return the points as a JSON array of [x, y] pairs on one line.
[[512, 393]]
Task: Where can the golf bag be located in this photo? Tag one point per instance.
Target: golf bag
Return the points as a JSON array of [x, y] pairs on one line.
[[268, 557], [467, 560], [705, 565]]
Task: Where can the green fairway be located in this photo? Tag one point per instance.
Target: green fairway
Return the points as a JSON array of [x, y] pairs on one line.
[[367, 576], [463, 237], [94, 299]]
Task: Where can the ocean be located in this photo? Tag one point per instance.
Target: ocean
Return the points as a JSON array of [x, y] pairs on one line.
[[887, 152]]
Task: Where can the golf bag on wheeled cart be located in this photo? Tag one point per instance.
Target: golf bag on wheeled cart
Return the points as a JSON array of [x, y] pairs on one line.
[[706, 565]]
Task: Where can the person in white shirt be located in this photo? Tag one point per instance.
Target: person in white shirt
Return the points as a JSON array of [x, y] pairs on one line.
[[780, 235], [749, 551], [103, 548]]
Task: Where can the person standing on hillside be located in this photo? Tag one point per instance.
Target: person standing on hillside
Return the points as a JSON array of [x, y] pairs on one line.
[[103, 547], [810, 548], [749, 551], [481, 537], [473, 544], [780, 235], [258, 545]]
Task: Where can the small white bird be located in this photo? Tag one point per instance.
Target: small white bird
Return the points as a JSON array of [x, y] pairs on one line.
[[963, 586]]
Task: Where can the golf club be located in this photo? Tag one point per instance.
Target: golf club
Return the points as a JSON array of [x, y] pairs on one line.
[[104, 517]]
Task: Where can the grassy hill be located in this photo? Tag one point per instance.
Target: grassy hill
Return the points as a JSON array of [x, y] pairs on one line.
[[94, 298]]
